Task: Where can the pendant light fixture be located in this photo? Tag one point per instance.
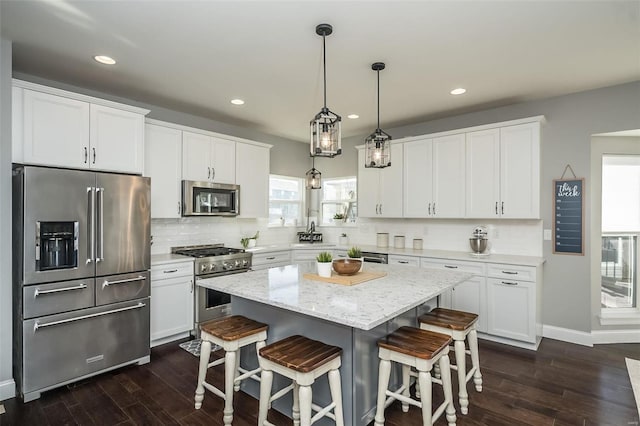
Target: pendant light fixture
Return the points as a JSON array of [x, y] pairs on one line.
[[325, 126], [377, 145], [313, 177]]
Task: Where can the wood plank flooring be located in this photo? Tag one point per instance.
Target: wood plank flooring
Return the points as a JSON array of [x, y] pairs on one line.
[[561, 384]]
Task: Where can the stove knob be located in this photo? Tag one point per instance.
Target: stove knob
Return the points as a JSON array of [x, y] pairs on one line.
[[212, 267], [203, 268], [237, 263], [226, 265], [245, 262]]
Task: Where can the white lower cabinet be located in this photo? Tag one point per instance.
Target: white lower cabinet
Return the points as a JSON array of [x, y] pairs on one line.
[[270, 260], [172, 298]]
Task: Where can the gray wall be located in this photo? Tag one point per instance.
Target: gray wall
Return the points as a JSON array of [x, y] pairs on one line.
[[566, 139], [7, 387]]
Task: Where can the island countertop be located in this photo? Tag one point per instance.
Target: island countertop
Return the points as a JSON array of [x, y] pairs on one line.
[[363, 306]]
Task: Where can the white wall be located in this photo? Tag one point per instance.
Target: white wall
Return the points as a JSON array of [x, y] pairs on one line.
[[7, 385]]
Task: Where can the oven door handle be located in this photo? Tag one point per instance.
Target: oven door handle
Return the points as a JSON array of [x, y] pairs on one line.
[[38, 325]]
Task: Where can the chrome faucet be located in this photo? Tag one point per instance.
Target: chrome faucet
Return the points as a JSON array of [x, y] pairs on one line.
[[312, 228]]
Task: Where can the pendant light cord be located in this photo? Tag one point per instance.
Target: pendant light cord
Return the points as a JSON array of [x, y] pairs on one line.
[[378, 72], [324, 65]]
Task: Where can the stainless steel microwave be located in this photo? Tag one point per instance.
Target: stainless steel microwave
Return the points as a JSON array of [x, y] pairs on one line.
[[210, 199]]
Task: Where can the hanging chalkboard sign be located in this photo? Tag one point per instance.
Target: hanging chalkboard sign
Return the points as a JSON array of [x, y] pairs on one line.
[[568, 215]]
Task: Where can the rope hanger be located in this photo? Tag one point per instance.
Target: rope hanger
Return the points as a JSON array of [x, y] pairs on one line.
[[568, 167]]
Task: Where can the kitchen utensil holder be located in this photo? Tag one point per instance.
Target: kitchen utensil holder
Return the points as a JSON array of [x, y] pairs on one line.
[[398, 241], [382, 239], [417, 244]]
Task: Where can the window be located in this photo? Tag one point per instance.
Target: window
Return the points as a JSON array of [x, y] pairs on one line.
[[339, 202], [286, 200]]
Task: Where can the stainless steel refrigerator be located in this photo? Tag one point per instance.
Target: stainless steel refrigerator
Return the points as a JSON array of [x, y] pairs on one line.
[[81, 275]]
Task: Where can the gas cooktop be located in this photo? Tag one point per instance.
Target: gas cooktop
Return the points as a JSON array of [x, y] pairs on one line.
[[216, 259], [206, 251]]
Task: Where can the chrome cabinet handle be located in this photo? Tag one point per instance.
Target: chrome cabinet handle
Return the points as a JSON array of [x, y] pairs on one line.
[[170, 271], [509, 283], [39, 292], [496, 207], [208, 172], [270, 258], [429, 209], [91, 229], [213, 173], [37, 325], [191, 282], [434, 209], [502, 208], [94, 155], [403, 261], [86, 155], [451, 266], [381, 208], [178, 207], [107, 283], [510, 272]]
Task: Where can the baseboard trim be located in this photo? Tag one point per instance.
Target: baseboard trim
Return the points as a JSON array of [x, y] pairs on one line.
[[567, 335], [602, 337], [7, 389]]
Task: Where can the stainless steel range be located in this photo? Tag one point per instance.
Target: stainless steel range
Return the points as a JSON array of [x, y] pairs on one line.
[[213, 261]]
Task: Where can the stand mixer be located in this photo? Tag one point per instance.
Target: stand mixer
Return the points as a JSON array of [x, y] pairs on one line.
[[478, 241]]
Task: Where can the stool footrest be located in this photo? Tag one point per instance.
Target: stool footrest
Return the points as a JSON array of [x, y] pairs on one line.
[[215, 363], [246, 374], [282, 392], [398, 395], [214, 389], [322, 412]]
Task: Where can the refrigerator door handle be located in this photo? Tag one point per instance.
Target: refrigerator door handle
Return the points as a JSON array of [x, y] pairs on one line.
[[100, 225], [91, 229]]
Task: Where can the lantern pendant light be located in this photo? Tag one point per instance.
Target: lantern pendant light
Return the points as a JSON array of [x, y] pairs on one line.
[[377, 145], [313, 177], [326, 125]]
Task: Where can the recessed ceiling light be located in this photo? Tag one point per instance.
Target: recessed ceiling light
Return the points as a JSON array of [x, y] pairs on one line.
[[237, 101], [458, 91], [104, 59], [353, 116]]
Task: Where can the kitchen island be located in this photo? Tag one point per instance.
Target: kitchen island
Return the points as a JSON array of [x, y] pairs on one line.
[[352, 317]]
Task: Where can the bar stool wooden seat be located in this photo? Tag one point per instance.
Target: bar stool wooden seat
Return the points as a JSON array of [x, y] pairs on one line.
[[419, 349], [302, 360], [231, 333], [460, 326]]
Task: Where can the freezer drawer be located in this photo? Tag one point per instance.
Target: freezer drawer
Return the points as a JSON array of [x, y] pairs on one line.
[[46, 299], [118, 288], [59, 348]]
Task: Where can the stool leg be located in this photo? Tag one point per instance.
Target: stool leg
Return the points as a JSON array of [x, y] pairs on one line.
[[229, 378], [266, 379], [417, 388], [295, 412], [336, 395], [436, 371], [383, 383], [462, 375], [405, 382], [447, 388], [205, 352], [305, 405], [475, 359], [424, 378], [236, 385]]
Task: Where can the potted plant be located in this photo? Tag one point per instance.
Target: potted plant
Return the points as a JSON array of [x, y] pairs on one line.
[[324, 264], [338, 217], [343, 240], [250, 241], [355, 253]]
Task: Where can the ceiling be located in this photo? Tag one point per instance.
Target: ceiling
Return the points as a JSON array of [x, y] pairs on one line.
[[195, 56]]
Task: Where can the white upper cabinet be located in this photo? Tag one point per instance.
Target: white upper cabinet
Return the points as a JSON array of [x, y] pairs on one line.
[[252, 174], [116, 139], [434, 173], [53, 127], [208, 158], [503, 172], [380, 190], [163, 164]]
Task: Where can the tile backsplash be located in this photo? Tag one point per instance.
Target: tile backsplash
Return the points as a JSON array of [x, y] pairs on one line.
[[520, 237]]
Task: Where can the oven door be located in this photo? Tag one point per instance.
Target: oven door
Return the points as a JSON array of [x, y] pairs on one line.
[[210, 304]]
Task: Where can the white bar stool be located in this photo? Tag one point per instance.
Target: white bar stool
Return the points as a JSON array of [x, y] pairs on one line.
[[231, 333], [420, 349], [302, 360], [460, 326]]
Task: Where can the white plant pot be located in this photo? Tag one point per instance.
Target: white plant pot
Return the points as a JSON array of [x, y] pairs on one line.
[[252, 243], [324, 269], [343, 241], [361, 259]]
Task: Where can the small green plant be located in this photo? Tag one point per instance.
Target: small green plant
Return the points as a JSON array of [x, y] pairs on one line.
[[255, 237], [343, 235], [354, 252], [324, 257], [244, 242], [338, 216]]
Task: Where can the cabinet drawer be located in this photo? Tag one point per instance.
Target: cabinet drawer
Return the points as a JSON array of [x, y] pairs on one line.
[[511, 272], [475, 268], [271, 258], [404, 260], [119, 288], [171, 270], [47, 299]]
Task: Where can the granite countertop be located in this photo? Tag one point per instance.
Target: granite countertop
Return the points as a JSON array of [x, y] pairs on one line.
[[364, 306], [165, 258]]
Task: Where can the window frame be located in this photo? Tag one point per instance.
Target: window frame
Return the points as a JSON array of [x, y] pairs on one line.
[[322, 201], [301, 202]]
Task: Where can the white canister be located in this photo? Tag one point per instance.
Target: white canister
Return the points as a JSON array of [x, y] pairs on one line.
[[383, 239], [417, 244], [398, 241]]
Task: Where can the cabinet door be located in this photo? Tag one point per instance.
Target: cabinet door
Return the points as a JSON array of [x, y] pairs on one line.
[[171, 307], [511, 309], [56, 130], [417, 182], [196, 156], [223, 161], [116, 140], [368, 188], [252, 174], [483, 174], [448, 176], [470, 296], [520, 171], [391, 185], [163, 164]]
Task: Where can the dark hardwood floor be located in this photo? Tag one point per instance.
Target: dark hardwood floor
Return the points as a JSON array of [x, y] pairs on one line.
[[560, 384]]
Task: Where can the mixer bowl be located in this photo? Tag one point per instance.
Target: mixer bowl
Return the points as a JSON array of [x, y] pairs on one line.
[[478, 245]]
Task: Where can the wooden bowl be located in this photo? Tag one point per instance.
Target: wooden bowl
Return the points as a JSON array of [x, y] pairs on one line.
[[347, 266]]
